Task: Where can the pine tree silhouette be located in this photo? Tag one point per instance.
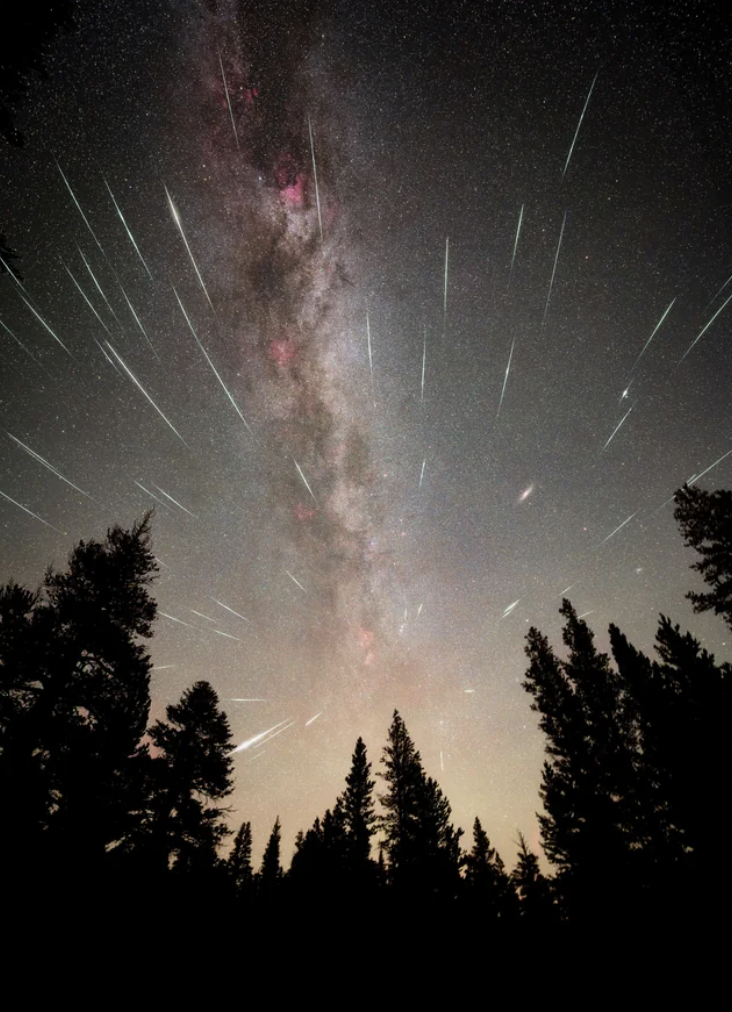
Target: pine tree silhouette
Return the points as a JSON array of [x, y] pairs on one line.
[[76, 699], [193, 771], [705, 519], [240, 859], [536, 903], [358, 805], [270, 874], [489, 888]]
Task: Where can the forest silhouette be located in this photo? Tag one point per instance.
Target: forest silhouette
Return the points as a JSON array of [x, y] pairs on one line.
[[96, 802]]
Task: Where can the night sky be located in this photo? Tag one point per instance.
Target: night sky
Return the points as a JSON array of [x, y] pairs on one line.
[[379, 441]]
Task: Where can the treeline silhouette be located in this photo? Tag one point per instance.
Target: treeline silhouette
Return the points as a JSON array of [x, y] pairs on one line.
[[98, 804]]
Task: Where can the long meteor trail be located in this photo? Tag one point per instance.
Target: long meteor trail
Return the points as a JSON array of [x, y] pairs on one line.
[[617, 428], [227, 608], [79, 209], [554, 270], [41, 460], [127, 230], [257, 737], [86, 299], [228, 101], [305, 481], [505, 378], [176, 502], [619, 528], [444, 298], [146, 395], [576, 133], [139, 323], [655, 331], [295, 580], [17, 340], [179, 223], [213, 367], [32, 514], [515, 244], [704, 329], [315, 178]]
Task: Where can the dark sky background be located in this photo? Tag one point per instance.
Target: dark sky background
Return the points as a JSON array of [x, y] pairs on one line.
[[436, 528]]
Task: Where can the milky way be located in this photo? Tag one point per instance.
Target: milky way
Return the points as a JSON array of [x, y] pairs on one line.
[[406, 322]]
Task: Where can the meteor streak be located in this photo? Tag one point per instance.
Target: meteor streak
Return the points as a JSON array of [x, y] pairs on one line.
[[655, 330], [78, 207], [554, 269], [719, 292], [151, 494], [257, 737], [294, 580], [505, 379], [421, 477], [613, 533], [228, 101], [43, 323], [222, 605], [127, 230], [32, 514], [179, 223], [305, 481], [510, 608], [574, 139], [515, 244], [696, 478], [179, 621], [201, 615], [19, 342], [705, 328], [176, 502], [85, 298], [146, 395], [98, 286], [228, 636], [45, 463], [139, 323], [285, 728], [315, 178], [371, 362], [213, 367], [617, 428], [309, 722]]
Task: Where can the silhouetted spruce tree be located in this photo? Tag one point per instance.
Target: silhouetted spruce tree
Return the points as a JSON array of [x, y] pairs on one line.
[[193, 772], [681, 703], [705, 519], [270, 874], [533, 889], [75, 688], [591, 827], [359, 815], [422, 845], [401, 802], [488, 887], [240, 859]]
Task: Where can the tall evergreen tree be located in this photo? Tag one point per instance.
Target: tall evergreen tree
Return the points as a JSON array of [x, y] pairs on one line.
[[270, 874], [75, 694], [358, 805], [591, 827], [705, 519], [193, 773], [401, 801], [536, 905], [488, 887], [240, 859]]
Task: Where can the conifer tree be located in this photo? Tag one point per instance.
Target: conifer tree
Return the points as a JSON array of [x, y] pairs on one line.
[[76, 694], [705, 519], [488, 886], [193, 773], [591, 829], [270, 874], [403, 776], [240, 859], [358, 805], [532, 888]]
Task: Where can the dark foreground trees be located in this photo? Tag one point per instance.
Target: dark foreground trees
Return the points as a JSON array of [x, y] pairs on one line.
[[133, 817]]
